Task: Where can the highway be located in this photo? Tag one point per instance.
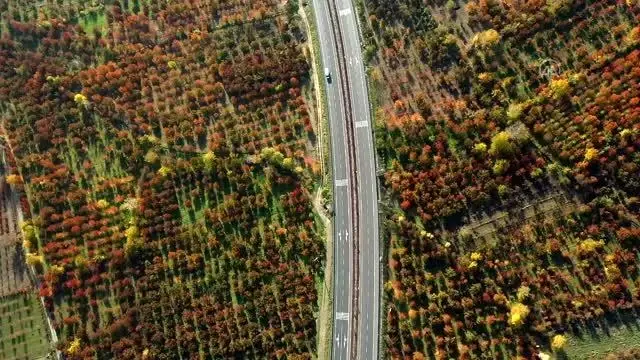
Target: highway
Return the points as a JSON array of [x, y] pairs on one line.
[[355, 187]]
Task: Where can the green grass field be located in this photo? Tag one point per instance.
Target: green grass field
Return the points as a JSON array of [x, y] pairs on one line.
[[23, 330], [93, 21], [598, 345]]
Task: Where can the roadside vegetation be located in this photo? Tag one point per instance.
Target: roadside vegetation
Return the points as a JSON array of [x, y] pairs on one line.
[[486, 110], [165, 156]]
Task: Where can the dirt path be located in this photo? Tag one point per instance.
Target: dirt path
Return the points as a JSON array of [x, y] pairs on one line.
[[325, 318]]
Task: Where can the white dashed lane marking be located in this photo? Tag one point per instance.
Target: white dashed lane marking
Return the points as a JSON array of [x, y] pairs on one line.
[[345, 12], [361, 124], [342, 182]]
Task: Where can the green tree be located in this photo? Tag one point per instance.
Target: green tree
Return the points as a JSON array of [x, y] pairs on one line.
[[501, 145]]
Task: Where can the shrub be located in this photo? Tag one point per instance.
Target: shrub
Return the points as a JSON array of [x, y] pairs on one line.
[[480, 148], [102, 204], [56, 269], [500, 167], [208, 158], [165, 171], [151, 157], [514, 112], [589, 246], [523, 293]]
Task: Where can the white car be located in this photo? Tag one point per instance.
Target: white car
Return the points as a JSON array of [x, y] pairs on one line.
[[327, 74]]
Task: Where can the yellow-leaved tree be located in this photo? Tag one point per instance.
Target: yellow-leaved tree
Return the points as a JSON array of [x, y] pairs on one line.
[[14, 179], [501, 145], [486, 39], [133, 240], [34, 260], [208, 159], [81, 100], [518, 314], [165, 171], [74, 346], [590, 154], [559, 87], [558, 342]]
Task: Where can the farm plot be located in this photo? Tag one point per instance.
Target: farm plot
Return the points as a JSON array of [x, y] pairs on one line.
[[23, 328], [166, 163], [546, 276], [13, 270]]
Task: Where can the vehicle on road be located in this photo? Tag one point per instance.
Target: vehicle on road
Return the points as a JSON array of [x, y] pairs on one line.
[[327, 75]]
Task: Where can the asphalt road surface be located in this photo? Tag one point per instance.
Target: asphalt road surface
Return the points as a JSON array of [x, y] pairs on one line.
[[368, 292]]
